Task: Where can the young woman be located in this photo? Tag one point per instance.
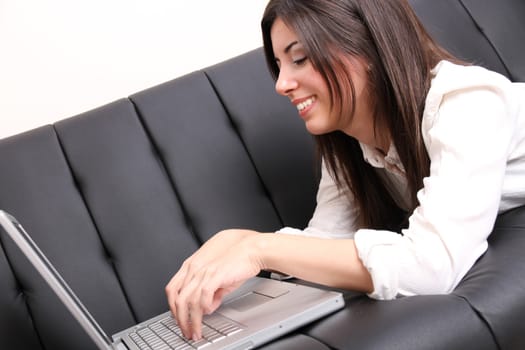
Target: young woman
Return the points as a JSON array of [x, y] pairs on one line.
[[419, 155]]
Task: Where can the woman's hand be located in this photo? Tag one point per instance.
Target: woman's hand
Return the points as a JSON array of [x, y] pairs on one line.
[[231, 257], [220, 266]]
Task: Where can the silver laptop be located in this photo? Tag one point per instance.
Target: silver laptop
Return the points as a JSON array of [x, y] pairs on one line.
[[259, 311]]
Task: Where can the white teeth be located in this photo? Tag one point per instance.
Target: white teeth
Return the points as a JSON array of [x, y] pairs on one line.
[[305, 104]]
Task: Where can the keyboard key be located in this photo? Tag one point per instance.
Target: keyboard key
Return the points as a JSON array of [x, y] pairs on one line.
[[166, 334], [199, 344]]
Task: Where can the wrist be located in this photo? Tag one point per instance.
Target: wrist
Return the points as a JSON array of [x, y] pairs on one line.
[[260, 245]]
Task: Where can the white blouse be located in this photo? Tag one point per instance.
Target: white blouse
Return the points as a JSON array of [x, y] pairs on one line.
[[474, 131]]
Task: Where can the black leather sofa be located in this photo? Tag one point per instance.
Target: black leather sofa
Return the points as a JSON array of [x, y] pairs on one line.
[[119, 196]]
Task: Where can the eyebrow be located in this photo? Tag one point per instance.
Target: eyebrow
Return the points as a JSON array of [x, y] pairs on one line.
[[289, 47]]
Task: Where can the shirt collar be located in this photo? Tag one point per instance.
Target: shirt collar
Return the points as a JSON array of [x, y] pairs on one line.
[[378, 159]]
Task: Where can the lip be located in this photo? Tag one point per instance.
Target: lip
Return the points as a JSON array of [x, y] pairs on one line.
[[305, 111]]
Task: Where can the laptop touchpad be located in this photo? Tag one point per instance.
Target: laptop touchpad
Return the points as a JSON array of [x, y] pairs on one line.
[[247, 301]]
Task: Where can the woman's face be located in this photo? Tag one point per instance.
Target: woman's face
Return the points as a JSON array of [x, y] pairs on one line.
[[306, 88]]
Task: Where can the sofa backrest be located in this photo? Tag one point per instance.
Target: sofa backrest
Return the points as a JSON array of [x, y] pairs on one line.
[[119, 196], [486, 32]]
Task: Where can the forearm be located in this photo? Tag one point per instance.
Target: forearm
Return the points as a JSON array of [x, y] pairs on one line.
[[330, 262]]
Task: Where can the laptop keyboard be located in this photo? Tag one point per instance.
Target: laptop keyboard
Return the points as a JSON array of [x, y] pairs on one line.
[[165, 334]]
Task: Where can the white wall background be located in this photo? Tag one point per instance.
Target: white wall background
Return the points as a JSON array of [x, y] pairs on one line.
[[59, 58]]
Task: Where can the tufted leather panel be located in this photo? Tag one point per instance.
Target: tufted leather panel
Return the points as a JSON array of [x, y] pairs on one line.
[[500, 273], [295, 342], [414, 323], [216, 180], [452, 26], [38, 188], [131, 201], [501, 22], [15, 317], [275, 137]]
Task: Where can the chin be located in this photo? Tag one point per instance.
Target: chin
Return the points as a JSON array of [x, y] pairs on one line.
[[316, 129]]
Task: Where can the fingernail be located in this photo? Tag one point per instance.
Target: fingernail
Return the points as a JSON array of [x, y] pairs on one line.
[[196, 337]]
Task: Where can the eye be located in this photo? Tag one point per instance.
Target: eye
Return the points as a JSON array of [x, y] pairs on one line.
[[300, 61]]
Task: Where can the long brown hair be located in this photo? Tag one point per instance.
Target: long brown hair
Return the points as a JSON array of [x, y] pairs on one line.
[[388, 35]]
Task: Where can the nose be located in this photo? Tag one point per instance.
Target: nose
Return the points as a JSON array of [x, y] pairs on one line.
[[285, 83]]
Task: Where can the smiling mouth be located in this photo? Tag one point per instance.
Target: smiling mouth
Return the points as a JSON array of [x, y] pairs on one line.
[[305, 104]]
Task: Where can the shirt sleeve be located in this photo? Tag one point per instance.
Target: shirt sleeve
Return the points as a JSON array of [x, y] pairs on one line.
[[467, 138], [335, 215]]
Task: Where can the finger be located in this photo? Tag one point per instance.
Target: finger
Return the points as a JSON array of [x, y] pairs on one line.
[[171, 295], [217, 299], [211, 295], [172, 290], [177, 282], [191, 267], [188, 309], [201, 300], [195, 314], [181, 314]]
